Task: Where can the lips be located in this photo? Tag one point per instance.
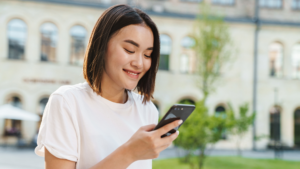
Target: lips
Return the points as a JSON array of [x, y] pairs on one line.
[[132, 74]]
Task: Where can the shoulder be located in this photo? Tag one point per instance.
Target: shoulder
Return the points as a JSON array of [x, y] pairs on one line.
[[69, 91]]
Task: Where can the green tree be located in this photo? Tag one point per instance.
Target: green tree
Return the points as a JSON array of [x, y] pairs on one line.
[[240, 122], [212, 41], [199, 130]]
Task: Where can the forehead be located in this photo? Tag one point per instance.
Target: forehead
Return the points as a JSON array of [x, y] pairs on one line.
[[141, 34]]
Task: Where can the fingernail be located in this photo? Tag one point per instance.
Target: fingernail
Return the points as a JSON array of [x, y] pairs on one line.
[[180, 121], [177, 132]]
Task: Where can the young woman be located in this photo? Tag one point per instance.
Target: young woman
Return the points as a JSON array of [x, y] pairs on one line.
[[102, 123]]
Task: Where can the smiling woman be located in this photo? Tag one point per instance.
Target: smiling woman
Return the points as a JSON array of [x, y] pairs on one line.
[[93, 124]]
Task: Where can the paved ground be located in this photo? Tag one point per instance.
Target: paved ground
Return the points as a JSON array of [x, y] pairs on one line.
[[290, 155], [12, 158]]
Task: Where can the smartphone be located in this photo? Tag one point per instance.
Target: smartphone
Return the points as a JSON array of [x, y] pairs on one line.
[[176, 112]]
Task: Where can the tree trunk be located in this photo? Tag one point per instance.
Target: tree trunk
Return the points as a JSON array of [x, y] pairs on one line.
[[201, 157], [238, 147]]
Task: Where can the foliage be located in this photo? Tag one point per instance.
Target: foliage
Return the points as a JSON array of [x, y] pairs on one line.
[[199, 130], [212, 40], [240, 124]]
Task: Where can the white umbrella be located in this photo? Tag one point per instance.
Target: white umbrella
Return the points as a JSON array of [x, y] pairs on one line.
[[8, 111]]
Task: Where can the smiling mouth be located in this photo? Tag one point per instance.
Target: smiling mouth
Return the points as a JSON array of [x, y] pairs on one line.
[[132, 74]]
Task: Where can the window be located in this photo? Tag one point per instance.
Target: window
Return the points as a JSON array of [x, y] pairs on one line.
[[296, 61], [165, 50], [13, 127], [275, 59], [48, 42], [223, 2], [275, 124], [270, 3], [42, 104], [297, 127], [78, 37], [16, 34], [184, 63], [220, 111], [296, 4], [188, 42]]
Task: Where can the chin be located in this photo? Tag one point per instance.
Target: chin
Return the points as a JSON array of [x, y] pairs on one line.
[[130, 86]]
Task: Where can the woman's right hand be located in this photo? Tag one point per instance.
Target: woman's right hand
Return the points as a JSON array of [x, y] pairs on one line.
[[147, 144]]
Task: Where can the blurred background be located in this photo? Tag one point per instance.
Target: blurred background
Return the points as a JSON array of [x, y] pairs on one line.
[[42, 46]]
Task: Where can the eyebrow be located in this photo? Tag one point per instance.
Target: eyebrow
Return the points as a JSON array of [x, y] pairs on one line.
[[136, 44]]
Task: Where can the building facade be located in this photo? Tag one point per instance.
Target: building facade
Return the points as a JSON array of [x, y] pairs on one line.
[[42, 44]]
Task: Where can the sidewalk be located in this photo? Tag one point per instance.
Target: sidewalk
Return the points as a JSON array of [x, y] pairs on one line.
[[290, 155], [13, 158]]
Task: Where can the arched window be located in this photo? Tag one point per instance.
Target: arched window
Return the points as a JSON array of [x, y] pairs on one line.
[[275, 123], [16, 34], [48, 42], [220, 111], [187, 101], [13, 127], [297, 127], [78, 37], [42, 104], [188, 42], [276, 59], [165, 50], [186, 63], [296, 61]]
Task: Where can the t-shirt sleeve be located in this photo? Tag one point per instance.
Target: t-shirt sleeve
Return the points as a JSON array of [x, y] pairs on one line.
[[58, 132]]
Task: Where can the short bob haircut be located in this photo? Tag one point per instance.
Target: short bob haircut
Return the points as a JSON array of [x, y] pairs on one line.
[[110, 22]]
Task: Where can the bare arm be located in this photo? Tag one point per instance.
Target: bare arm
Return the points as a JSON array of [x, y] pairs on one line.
[[52, 162], [144, 144]]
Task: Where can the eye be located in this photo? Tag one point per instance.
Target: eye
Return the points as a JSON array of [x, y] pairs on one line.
[[148, 56], [129, 51]]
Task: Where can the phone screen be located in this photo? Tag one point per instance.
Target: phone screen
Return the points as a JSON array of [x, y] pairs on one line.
[[176, 112]]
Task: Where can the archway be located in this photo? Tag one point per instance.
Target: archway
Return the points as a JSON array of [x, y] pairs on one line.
[[275, 125], [220, 111]]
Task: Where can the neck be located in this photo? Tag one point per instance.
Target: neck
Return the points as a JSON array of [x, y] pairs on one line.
[[112, 92]]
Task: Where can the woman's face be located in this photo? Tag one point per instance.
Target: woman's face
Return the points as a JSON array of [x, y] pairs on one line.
[[129, 56]]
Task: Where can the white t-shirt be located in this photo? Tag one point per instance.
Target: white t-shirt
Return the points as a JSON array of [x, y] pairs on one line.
[[81, 126]]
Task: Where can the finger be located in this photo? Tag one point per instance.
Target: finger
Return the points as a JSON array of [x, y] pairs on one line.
[[163, 130], [149, 127], [168, 139]]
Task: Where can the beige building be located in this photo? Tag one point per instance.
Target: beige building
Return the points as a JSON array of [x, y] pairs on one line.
[[42, 44]]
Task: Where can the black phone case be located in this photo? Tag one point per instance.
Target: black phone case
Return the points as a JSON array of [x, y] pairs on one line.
[[176, 112]]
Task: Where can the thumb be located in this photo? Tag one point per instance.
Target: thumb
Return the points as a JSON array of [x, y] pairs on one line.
[[149, 127]]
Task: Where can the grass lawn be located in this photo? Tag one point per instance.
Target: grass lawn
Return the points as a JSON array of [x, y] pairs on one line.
[[229, 163]]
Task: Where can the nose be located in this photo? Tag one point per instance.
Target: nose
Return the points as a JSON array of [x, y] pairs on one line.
[[137, 61]]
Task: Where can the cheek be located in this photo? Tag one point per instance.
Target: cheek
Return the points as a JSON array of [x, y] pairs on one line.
[[116, 58], [147, 64]]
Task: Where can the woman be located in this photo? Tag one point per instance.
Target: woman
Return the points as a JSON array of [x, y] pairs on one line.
[[101, 123]]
